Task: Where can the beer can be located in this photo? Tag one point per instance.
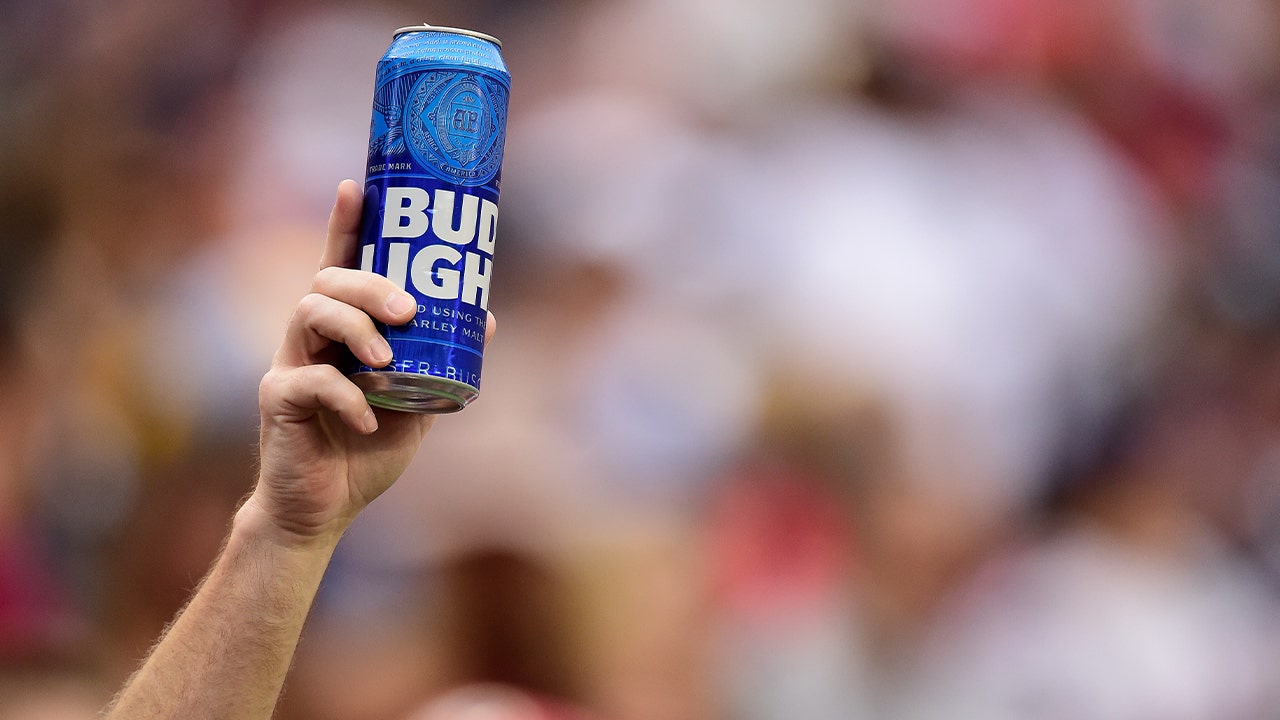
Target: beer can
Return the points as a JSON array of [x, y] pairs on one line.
[[431, 210]]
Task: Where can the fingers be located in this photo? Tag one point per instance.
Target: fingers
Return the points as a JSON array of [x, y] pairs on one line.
[[298, 393], [344, 227], [344, 303], [338, 310], [320, 320], [370, 292]]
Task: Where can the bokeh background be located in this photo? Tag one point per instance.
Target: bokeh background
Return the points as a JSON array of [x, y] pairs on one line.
[[858, 358]]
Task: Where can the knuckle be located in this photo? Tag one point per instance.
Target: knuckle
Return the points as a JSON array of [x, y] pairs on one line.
[[328, 279], [311, 306], [296, 383], [354, 287], [315, 378], [302, 383], [327, 382], [323, 373], [269, 388]]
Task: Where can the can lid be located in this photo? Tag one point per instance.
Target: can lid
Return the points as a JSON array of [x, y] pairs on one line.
[[437, 28]]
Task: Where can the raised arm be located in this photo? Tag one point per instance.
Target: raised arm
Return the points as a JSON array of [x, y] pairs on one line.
[[325, 454]]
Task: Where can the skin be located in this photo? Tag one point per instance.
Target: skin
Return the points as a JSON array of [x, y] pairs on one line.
[[325, 455]]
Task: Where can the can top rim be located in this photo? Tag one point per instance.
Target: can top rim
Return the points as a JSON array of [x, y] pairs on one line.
[[424, 27]]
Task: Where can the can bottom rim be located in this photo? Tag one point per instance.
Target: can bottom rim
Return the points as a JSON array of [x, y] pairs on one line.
[[411, 392]]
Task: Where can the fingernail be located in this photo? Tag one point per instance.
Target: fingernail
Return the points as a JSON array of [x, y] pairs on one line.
[[370, 421], [400, 303], [380, 350]]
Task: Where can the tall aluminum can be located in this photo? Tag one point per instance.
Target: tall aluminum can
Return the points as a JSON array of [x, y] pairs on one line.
[[431, 210]]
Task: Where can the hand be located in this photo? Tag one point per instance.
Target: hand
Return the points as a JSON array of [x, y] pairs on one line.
[[325, 453]]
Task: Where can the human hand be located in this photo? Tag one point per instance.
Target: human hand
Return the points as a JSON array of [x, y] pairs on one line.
[[324, 452]]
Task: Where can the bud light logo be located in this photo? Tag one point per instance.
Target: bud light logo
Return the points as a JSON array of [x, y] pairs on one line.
[[455, 123]]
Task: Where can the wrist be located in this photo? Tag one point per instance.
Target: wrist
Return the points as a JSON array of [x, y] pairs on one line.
[[256, 522]]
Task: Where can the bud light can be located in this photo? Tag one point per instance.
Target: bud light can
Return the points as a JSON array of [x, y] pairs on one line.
[[431, 210]]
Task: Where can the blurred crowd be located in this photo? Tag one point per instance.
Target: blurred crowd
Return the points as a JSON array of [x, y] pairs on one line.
[[889, 359]]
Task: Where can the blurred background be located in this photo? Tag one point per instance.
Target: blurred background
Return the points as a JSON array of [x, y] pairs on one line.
[[858, 358]]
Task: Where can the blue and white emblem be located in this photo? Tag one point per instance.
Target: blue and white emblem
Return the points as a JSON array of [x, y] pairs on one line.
[[456, 126]]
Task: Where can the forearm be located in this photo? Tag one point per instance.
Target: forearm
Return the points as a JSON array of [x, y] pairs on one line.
[[324, 456], [227, 653]]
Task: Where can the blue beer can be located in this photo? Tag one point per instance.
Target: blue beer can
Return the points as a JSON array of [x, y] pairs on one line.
[[431, 210]]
